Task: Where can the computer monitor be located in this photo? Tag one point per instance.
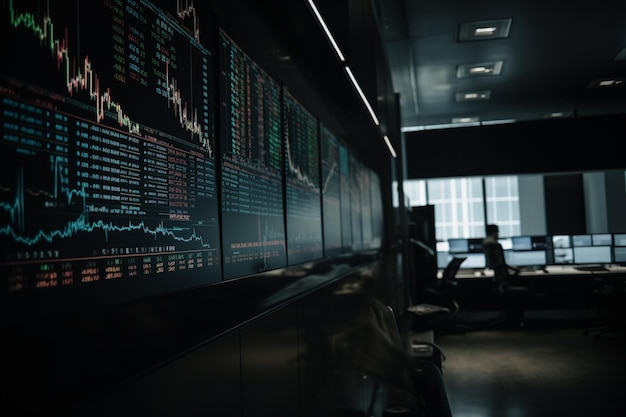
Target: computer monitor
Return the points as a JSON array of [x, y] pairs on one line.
[[520, 243], [563, 256], [303, 208], [458, 245], [527, 251], [601, 239], [561, 241], [526, 258], [474, 261], [109, 155], [619, 239], [561, 250], [253, 229], [475, 245], [592, 248], [619, 254], [592, 255], [581, 240], [505, 242], [529, 242]]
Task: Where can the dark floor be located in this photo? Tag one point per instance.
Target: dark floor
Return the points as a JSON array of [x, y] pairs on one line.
[[538, 371]]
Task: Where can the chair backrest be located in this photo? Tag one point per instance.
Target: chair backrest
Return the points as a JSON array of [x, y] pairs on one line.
[[449, 273]]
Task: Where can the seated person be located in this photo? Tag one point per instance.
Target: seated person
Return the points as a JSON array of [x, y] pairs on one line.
[[494, 254], [513, 296]]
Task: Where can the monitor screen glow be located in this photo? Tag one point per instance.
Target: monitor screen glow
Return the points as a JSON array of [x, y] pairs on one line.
[[458, 245], [619, 254], [592, 255], [521, 243], [601, 239], [474, 261], [561, 241], [619, 239], [526, 258], [581, 240], [563, 256]]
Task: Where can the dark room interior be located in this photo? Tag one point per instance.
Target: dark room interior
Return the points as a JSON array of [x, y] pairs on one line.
[[202, 208]]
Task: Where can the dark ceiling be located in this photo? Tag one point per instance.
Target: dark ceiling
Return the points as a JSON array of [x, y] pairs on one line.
[[553, 59]]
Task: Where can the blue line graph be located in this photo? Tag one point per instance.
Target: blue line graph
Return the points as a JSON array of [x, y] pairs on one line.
[[17, 213]]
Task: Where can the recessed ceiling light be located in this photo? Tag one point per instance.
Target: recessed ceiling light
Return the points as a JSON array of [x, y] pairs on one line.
[[473, 95], [485, 29], [558, 114], [606, 82], [467, 119], [479, 69]]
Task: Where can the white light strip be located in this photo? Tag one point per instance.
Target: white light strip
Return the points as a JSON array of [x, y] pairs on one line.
[[485, 31], [327, 31], [358, 89], [390, 146], [412, 128], [497, 122]]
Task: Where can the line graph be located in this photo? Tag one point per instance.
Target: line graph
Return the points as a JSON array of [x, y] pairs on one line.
[[186, 10], [301, 134], [80, 75], [17, 211], [107, 122]]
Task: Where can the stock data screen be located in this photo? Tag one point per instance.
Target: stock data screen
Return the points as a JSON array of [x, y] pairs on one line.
[[356, 199], [302, 175], [377, 212], [107, 147], [331, 192], [365, 188], [346, 199], [253, 225]]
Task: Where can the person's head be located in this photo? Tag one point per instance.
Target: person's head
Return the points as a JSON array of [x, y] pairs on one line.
[[493, 230]]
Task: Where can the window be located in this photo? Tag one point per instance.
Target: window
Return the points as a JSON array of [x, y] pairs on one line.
[[502, 204], [461, 204], [458, 205]]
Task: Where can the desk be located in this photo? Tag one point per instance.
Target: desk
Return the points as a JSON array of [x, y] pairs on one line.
[[550, 271], [562, 291]]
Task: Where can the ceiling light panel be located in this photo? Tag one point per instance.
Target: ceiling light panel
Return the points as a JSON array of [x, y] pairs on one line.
[[606, 82], [478, 70], [485, 29], [466, 119], [558, 115], [473, 95]]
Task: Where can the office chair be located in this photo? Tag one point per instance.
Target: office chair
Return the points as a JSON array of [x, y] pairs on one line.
[[371, 347], [511, 296], [448, 276], [439, 306], [428, 376]]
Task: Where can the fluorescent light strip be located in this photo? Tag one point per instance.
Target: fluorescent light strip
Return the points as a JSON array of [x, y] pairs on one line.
[[390, 146], [358, 89], [485, 31], [449, 125], [327, 31], [341, 57]]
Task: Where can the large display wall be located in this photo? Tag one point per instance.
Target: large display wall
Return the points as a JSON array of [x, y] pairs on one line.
[[144, 152]]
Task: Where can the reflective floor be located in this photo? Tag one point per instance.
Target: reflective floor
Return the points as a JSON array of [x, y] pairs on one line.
[[534, 372]]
